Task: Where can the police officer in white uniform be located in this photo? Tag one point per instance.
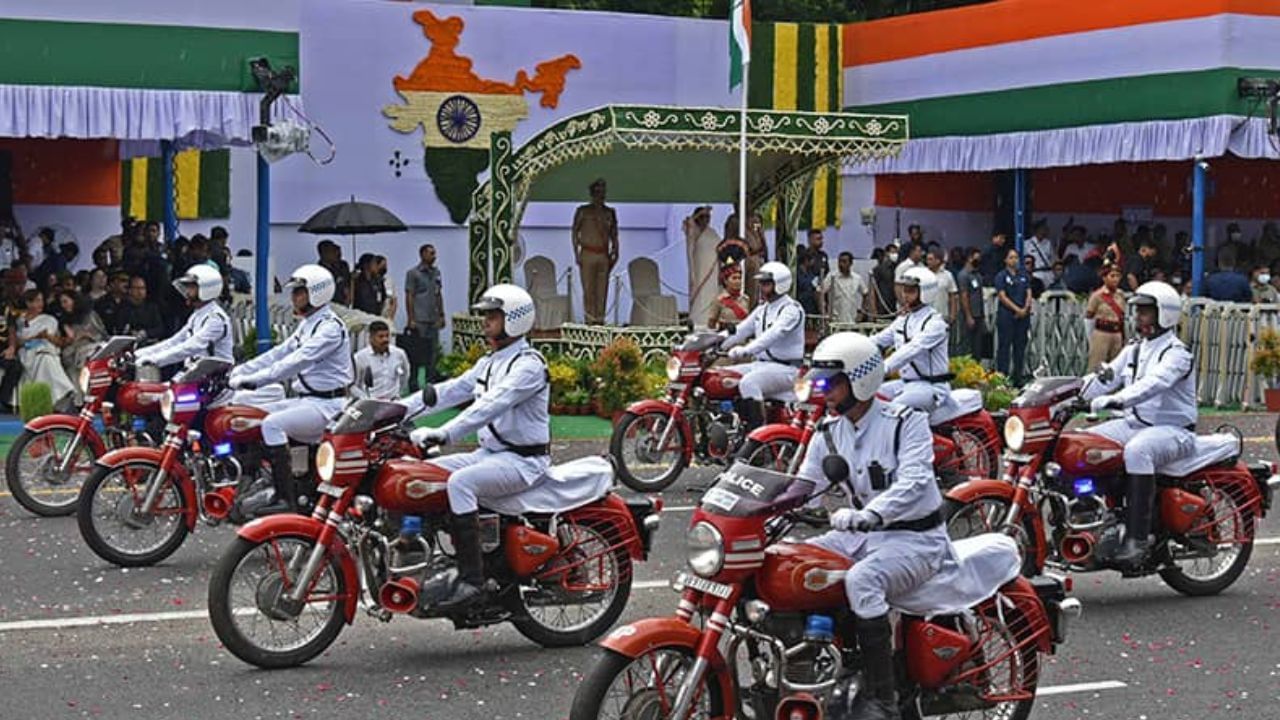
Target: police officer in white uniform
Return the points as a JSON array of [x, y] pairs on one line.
[[895, 532], [207, 332], [1153, 380], [510, 389], [918, 337], [777, 349], [317, 358]]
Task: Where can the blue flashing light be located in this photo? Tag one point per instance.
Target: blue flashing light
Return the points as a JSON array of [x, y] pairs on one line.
[[188, 398], [1084, 486], [222, 449]]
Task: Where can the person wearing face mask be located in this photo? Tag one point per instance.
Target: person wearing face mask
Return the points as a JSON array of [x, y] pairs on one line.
[[1235, 241], [1263, 291], [886, 302]]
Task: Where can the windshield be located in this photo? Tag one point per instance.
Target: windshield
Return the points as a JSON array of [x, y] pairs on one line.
[[202, 369], [1046, 391], [113, 347], [745, 491], [367, 415], [700, 342]]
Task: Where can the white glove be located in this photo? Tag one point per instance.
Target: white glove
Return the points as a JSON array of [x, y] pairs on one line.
[[854, 520], [740, 352], [429, 436], [1104, 402], [237, 381]]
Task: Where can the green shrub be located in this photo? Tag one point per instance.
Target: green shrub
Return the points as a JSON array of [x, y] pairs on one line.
[[34, 399], [619, 375]]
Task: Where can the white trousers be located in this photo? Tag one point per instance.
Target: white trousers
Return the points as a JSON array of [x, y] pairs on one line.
[[764, 380], [886, 566], [482, 474], [301, 419], [1147, 448], [920, 395]]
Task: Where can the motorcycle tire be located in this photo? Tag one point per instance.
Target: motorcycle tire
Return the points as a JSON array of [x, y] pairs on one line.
[[589, 700], [625, 473], [221, 613], [767, 454], [29, 500], [102, 546], [548, 637], [1176, 578], [952, 508]]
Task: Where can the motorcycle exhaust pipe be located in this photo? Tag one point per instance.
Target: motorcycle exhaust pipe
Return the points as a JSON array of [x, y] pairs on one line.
[[1077, 548], [399, 595], [801, 706], [217, 503]]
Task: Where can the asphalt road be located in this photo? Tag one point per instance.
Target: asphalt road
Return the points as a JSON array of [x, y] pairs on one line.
[[1141, 651]]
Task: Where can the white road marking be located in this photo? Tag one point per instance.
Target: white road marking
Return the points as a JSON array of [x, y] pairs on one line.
[[1080, 688], [650, 584]]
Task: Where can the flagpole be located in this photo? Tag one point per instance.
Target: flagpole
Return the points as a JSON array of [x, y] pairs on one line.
[[742, 154]]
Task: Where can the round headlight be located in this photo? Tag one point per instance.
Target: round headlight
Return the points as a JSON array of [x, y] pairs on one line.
[[166, 405], [1014, 433], [803, 389], [705, 549], [84, 380], [326, 460], [673, 368]]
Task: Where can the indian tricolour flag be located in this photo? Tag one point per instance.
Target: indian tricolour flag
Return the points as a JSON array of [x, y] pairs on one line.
[[739, 41]]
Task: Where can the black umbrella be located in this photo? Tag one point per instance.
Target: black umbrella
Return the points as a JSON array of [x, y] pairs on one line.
[[352, 218]]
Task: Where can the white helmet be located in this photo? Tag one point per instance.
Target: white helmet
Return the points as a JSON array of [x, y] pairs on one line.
[[853, 354], [1167, 301], [317, 281], [516, 305], [208, 282], [778, 273], [924, 279]]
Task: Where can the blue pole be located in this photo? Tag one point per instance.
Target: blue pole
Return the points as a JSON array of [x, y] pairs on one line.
[[1019, 206], [170, 208], [262, 283], [1200, 169]]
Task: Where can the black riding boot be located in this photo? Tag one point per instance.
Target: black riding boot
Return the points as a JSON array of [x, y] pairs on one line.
[[878, 698], [286, 499], [1137, 527], [466, 545], [752, 413]]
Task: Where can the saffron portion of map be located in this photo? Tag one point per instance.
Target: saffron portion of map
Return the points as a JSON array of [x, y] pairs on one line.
[[457, 109]]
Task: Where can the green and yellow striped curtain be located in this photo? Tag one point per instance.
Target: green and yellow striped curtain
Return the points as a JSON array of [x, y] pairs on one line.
[[201, 185], [797, 66]]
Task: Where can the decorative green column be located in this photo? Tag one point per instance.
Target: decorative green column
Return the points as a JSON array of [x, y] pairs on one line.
[[502, 205]]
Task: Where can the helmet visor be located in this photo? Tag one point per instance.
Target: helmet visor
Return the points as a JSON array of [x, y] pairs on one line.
[[294, 283], [821, 373], [1143, 300], [487, 303]]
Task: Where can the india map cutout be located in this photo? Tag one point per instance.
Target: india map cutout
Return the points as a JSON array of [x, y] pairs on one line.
[[458, 110]]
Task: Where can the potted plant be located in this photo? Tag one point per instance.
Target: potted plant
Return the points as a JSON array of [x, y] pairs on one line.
[[564, 379], [577, 401], [1266, 363], [619, 377]]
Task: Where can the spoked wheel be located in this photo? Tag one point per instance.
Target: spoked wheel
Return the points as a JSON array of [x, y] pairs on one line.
[[987, 515], [975, 457], [45, 473], [252, 615], [111, 519], [777, 455], [645, 462], [581, 592], [643, 688], [1211, 559]]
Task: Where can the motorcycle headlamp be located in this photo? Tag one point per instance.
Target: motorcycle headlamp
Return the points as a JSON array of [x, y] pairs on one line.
[[1015, 433], [803, 389], [673, 368], [326, 461], [705, 548], [166, 405]]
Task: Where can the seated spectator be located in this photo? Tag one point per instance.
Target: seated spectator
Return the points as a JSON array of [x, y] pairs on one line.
[[111, 307], [1228, 284], [82, 330], [1037, 285], [97, 286], [1260, 284], [141, 318], [1059, 280], [37, 336]]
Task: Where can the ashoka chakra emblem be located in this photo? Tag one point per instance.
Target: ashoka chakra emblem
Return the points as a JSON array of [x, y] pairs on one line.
[[458, 119]]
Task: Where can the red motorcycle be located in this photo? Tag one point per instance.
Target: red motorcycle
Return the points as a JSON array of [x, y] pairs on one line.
[[763, 627], [139, 503], [781, 446], [558, 556], [1062, 492], [655, 440], [53, 454]]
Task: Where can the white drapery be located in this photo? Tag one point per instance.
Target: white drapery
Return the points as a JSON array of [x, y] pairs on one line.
[[192, 118], [1093, 144]]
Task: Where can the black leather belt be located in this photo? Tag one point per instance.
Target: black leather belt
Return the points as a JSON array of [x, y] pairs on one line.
[[325, 394], [931, 378], [928, 522], [529, 450], [792, 363]]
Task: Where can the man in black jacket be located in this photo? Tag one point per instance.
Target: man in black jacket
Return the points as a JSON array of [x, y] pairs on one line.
[[141, 318]]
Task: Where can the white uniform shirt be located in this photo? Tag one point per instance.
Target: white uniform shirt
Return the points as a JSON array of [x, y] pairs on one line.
[[511, 392], [1155, 379], [317, 355], [207, 333], [919, 342], [381, 377], [946, 290], [1041, 253], [778, 329], [846, 295]]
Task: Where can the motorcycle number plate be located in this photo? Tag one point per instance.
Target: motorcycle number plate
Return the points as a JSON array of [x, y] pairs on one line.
[[329, 489], [703, 585]]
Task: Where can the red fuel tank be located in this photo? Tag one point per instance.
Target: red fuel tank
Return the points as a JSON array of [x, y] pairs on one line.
[[721, 384], [234, 424], [140, 398], [412, 486], [1082, 453], [798, 577]]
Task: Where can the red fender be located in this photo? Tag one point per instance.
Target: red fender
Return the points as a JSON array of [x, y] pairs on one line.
[[641, 636], [777, 431], [72, 423], [285, 525], [650, 406], [155, 456], [967, 492], [1024, 595]]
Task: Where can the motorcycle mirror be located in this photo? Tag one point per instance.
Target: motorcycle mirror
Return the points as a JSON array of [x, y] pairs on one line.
[[368, 377], [835, 469], [429, 396]]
